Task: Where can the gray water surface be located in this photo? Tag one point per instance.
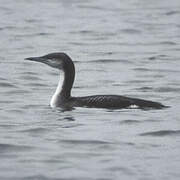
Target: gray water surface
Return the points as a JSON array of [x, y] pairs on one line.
[[122, 47]]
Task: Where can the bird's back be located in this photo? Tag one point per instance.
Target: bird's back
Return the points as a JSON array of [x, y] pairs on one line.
[[114, 102]]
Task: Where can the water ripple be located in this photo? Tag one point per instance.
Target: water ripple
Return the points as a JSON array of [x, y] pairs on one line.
[[7, 85], [128, 122], [170, 13], [121, 169], [39, 177], [162, 56], [36, 130], [13, 148], [6, 102], [131, 31], [27, 77], [37, 85], [44, 177], [20, 91], [85, 142], [162, 133], [110, 61], [167, 89]]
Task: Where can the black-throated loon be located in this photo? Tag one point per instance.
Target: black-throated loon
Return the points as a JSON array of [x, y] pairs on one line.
[[62, 96]]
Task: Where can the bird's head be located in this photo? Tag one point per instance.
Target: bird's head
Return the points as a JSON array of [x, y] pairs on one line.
[[55, 60]]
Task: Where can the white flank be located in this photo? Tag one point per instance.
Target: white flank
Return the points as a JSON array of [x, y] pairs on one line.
[[55, 97], [133, 106]]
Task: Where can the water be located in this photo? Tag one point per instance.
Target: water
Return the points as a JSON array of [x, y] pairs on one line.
[[119, 47]]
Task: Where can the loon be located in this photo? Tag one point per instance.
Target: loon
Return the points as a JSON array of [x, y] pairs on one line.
[[62, 96]]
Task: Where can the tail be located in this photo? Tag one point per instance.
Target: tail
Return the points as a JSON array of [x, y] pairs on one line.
[[143, 104]]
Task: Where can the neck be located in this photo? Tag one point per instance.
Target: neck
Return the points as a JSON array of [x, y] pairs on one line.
[[63, 90]]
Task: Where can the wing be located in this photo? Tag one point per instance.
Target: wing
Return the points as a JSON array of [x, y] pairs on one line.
[[104, 101], [115, 102]]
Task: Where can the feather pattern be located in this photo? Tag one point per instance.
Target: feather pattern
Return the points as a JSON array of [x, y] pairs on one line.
[[113, 102]]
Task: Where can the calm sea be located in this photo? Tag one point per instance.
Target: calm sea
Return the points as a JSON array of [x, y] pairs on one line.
[[120, 47]]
